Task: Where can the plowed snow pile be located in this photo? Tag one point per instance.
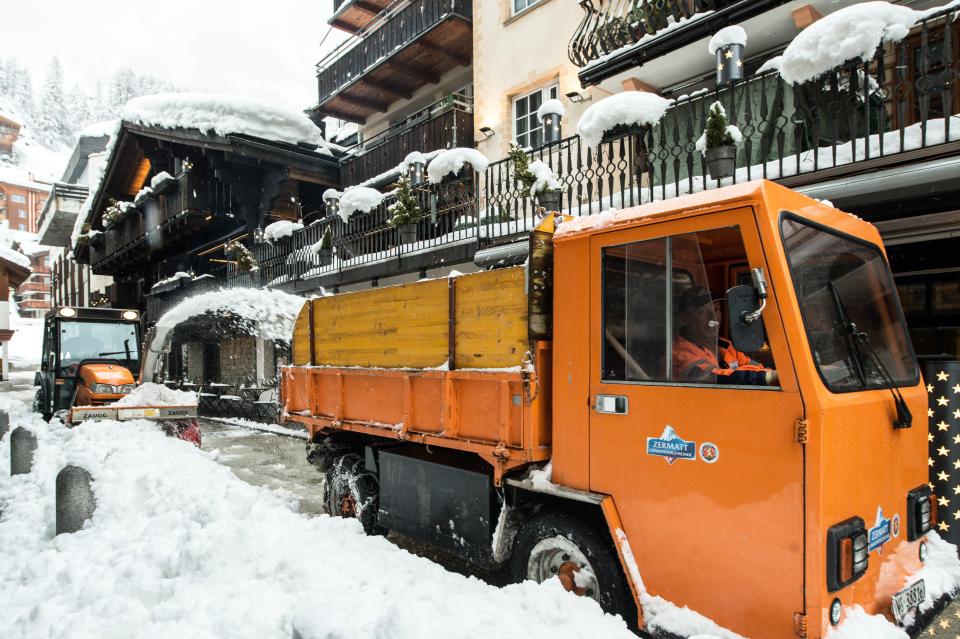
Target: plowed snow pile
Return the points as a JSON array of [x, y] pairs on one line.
[[180, 547]]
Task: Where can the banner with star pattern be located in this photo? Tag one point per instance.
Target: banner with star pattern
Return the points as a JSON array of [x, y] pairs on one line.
[[943, 394]]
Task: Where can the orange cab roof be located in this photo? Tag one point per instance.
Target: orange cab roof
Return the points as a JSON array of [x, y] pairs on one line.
[[682, 206]]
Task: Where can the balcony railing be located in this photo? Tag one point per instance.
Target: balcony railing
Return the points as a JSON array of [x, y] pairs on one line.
[[610, 29], [359, 56], [901, 106], [446, 124]]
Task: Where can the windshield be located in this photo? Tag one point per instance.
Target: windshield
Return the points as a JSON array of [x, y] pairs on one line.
[[841, 281], [80, 340]]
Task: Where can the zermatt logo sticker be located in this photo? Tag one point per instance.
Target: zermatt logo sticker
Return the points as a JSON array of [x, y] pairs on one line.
[[880, 533], [671, 446]]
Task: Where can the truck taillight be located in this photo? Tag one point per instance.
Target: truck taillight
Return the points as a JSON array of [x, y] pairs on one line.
[[847, 556], [922, 512]]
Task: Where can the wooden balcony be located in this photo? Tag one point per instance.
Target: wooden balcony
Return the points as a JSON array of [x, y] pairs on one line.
[[164, 223], [621, 32], [446, 124], [354, 15], [405, 51]]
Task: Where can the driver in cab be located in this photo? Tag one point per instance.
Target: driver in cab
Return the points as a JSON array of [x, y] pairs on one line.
[[700, 355]]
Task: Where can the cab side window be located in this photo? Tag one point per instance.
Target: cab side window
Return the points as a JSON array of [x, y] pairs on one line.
[[664, 311]]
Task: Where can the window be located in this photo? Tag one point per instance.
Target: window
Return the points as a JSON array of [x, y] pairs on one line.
[[21, 227], [19, 199], [841, 280], [21, 213], [663, 311], [3, 196], [522, 5], [527, 128]]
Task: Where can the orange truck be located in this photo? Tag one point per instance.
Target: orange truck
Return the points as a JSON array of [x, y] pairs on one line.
[[705, 409]]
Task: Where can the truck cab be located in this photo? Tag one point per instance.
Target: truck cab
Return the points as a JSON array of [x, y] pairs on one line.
[[90, 358]]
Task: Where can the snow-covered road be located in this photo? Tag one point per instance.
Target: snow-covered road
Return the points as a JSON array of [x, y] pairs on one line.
[[180, 546]]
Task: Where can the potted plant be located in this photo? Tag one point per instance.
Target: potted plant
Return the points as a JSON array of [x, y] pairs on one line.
[[718, 144], [536, 179], [324, 248], [406, 212]]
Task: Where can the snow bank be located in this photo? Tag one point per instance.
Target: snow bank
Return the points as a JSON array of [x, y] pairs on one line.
[[628, 108], [725, 37], [550, 106], [280, 229], [25, 350], [359, 198], [150, 394], [452, 160], [222, 114], [180, 547], [848, 33]]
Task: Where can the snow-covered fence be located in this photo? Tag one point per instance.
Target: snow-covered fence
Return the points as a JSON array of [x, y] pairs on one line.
[[23, 443], [75, 501]]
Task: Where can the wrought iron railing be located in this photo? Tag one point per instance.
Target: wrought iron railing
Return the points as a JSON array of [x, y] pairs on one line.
[[609, 25], [446, 124], [900, 106], [346, 64]]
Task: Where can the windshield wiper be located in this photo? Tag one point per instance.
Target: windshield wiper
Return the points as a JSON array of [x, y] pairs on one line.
[[861, 339], [851, 340]]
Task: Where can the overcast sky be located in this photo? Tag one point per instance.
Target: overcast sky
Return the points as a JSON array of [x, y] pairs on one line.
[[254, 47]]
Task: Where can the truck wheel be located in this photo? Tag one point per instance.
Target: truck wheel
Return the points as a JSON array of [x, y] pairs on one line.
[[351, 491], [552, 544]]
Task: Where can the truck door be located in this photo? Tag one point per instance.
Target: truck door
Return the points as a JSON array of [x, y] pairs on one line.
[[698, 453]]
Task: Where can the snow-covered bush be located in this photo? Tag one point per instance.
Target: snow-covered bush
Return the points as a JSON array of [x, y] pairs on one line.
[[405, 210], [629, 108], [359, 198], [535, 177], [325, 243], [280, 229], [452, 160], [115, 212], [719, 131]]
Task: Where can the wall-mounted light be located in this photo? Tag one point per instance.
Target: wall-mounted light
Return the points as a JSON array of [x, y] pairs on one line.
[[487, 132], [576, 97]]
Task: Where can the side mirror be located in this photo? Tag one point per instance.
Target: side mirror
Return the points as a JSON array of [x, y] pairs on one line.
[[746, 336]]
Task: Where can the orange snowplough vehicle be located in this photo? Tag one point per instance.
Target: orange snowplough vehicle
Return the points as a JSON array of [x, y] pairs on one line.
[[555, 417]]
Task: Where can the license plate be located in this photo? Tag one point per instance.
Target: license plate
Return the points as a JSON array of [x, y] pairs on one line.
[[137, 413], [908, 599]]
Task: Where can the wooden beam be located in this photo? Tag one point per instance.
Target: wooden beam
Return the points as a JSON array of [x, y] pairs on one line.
[[366, 7], [362, 102], [420, 74], [340, 115], [386, 88], [344, 26], [446, 53]]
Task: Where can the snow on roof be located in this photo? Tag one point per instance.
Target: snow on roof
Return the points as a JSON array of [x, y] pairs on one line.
[[452, 160], [11, 255], [180, 542], [223, 114], [550, 106], [628, 108], [359, 198], [848, 33], [280, 229], [726, 36], [18, 176], [98, 129]]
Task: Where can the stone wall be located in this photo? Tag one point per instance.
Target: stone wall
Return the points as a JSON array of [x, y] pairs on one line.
[[238, 359]]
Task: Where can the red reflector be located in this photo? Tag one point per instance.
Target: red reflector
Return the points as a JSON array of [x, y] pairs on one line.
[[933, 511], [846, 560]]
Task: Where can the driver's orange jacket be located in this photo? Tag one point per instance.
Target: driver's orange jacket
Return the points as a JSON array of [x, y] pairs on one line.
[[693, 362]]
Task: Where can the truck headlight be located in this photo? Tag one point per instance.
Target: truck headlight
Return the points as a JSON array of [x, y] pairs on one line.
[[127, 388], [847, 556], [921, 512], [102, 388]]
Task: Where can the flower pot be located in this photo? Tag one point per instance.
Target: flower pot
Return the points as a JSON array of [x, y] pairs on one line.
[[721, 161], [325, 255], [408, 233], [549, 200]]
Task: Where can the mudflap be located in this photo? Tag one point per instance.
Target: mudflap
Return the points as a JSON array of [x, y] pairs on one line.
[[185, 429]]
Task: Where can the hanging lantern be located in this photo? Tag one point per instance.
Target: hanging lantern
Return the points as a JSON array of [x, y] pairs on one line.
[[551, 127], [331, 198], [415, 172], [729, 63], [258, 235]]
